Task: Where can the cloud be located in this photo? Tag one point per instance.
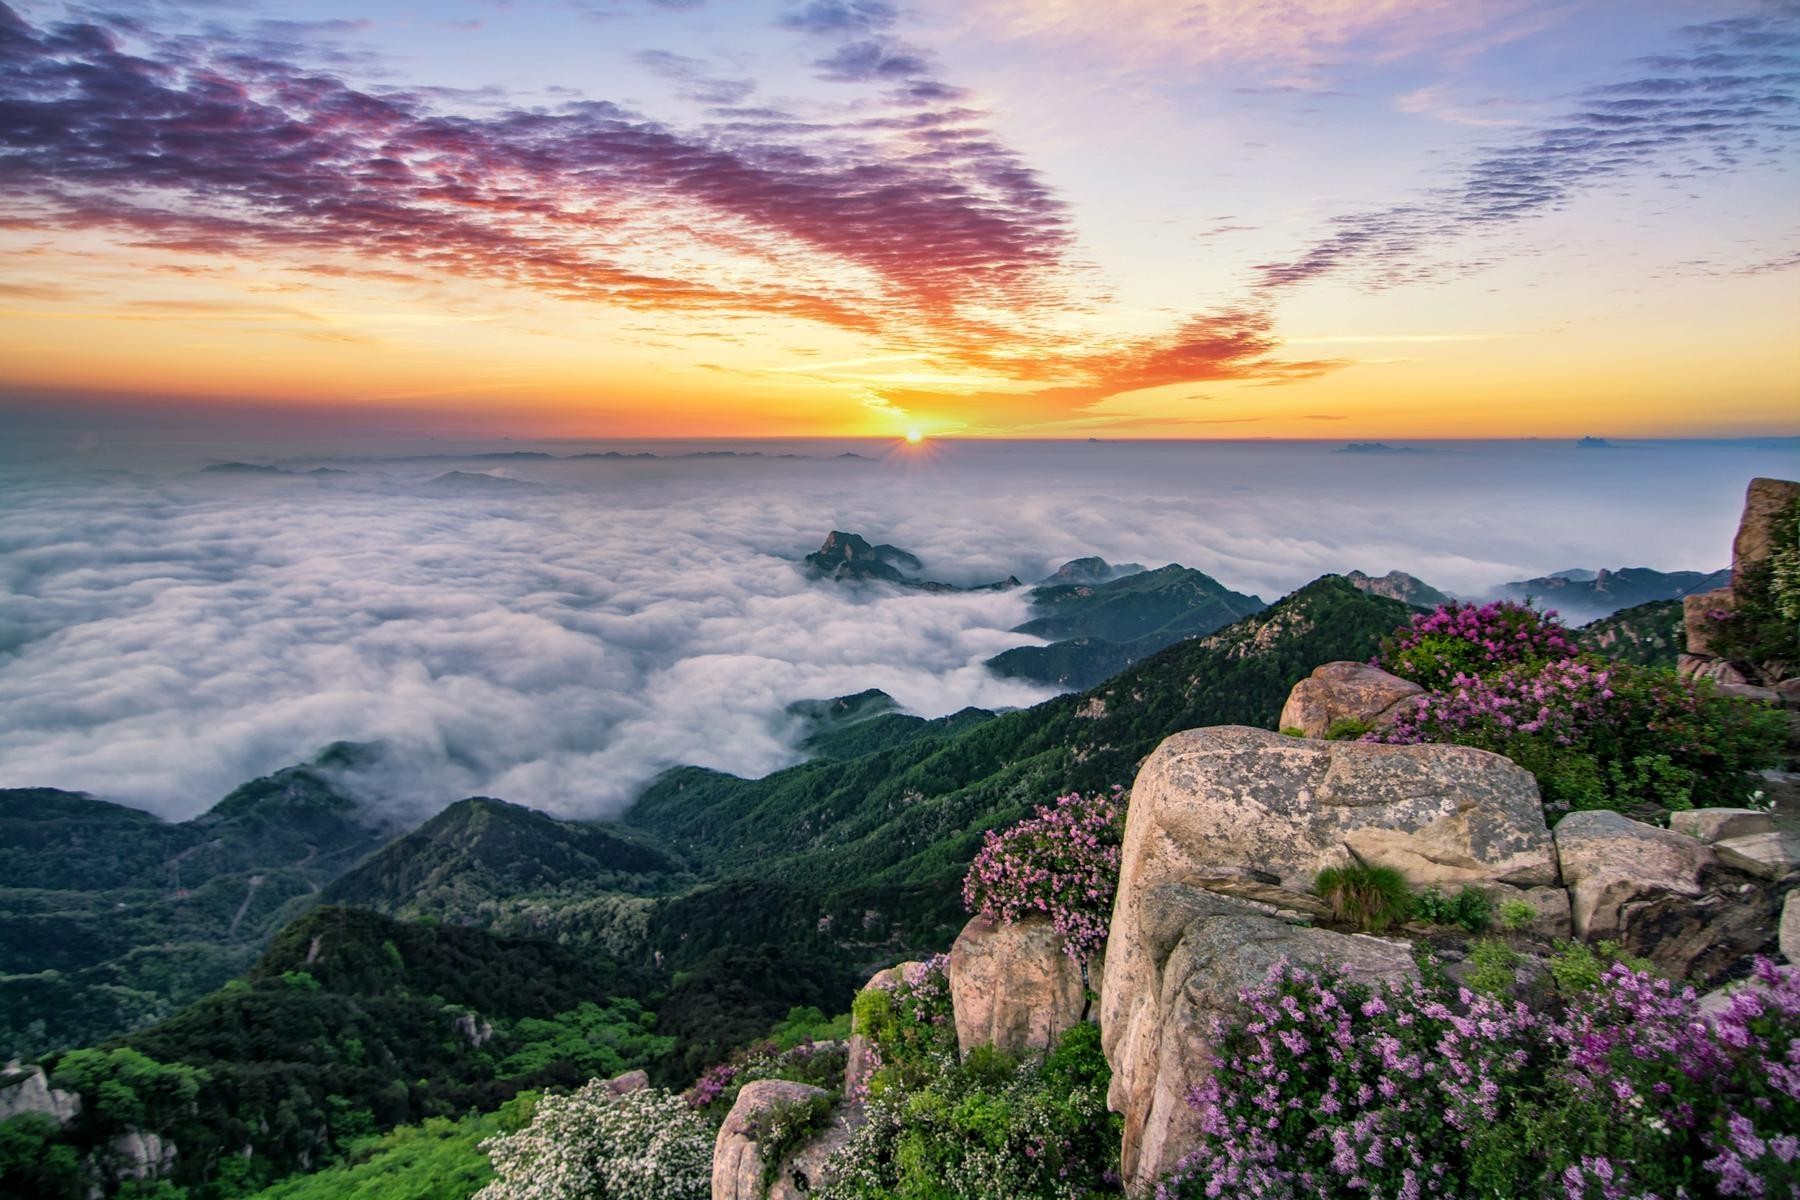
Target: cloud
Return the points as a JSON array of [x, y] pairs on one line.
[[1731, 100], [840, 17], [166, 635], [892, 221]]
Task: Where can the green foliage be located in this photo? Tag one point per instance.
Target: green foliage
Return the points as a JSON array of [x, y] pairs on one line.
[[1468, 908], [35, 1162], [991, 1128], [806, 1023], [595, 1040], [1368, 898], [783, 1127], [1494, 967], [1578, 966], [1347, 729], [300, 980], [1516, 915], [124, 1089], [1292, 731], [440, 1159]]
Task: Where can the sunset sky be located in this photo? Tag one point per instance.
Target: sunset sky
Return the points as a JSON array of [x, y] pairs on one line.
[[1040, 218]]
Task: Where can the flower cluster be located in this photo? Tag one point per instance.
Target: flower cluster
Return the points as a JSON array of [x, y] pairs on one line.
[[1597, 735], [1560, 701], [990, 1128], [1629, 1091], [1467, 639], [818, 1063], [1062, 862], [594, 1145], [908, 1027]]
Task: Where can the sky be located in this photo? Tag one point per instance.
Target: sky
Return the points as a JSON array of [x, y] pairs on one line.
[[1012, 218]]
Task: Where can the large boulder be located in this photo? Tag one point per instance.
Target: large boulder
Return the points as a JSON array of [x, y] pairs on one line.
[[1662, 895], [1789, 935], [1013, 987], [1346, 691], [1178, 956], [27, 1090], [737, 1168], [1232, 799], [1757, 536], [1715, 824]]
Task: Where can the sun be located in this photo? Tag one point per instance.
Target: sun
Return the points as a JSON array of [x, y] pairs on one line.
[[914, 437]]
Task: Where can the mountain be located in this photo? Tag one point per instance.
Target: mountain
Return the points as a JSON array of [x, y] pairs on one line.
[[851, 726], [1092, 570], [516, 871], [352, 1023], [872, 849], [850, 558], [1578, 599], [1650, 635], [111, 918], [1397, 585], [1097, 630]]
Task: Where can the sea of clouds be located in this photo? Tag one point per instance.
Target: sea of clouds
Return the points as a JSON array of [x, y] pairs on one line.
[[559, 632]]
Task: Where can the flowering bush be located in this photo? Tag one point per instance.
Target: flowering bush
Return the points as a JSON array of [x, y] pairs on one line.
[[1062, 862], [818, 1063], [1466, 639], [990, 1129], [1339, 1089], [910, 1028], [593, 1145], [1604, 735]]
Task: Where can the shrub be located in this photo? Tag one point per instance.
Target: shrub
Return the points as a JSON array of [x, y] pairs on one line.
[[592, 1145], [1347, 729], [1605, 736], [1468, 909], [1495, 968], [1341, 1090], [991, 1128], [1466, 639], [820, 1064], [1516, 915], [910, 1027], [1061, 862], [1370, 898]]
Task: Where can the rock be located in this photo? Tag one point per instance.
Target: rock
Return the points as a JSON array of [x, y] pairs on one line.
[[1750, 691], [860, 1065], [139, 1155], [1769, 854], [630, 1081], [1765, 500], [1345, 691], [1552, 904], [1789, 936], [1227, 799], [1711, 824], [27, 1090], [1699, 611], [1178, 958], [1660, 894], [1013, 987], [737, 1167]]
